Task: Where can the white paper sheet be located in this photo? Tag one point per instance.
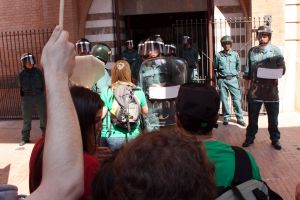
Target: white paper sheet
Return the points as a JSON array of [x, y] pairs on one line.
[[163, 92], [267, 73]]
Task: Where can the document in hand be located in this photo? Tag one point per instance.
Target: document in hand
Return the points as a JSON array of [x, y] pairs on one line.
[[268, 73]]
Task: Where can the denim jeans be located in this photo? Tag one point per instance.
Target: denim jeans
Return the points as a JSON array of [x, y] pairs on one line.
[[114, 143], [253, 113]]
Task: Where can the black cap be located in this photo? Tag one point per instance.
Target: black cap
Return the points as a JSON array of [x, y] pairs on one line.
[[197, 107]]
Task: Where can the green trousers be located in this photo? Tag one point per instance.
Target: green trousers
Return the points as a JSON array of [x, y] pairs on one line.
[[231, 87], [29, 104]]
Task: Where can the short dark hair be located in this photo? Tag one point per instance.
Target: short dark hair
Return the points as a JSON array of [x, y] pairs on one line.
[[104, 180], [197, 107], [163, 166], [87, 103]]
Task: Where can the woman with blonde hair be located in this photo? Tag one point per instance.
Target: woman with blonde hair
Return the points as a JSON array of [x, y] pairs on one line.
[[114, 134]]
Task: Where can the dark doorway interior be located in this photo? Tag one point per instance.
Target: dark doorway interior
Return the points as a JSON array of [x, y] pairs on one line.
[[172, 27], [140, 27]]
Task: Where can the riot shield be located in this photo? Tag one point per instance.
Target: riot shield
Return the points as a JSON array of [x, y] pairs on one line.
[[160, 79], [265, 81]]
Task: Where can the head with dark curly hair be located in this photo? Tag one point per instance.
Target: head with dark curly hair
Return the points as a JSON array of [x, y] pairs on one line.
[[163, 166]]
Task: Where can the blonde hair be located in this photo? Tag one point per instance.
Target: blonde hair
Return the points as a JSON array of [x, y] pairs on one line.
[[121, 72]]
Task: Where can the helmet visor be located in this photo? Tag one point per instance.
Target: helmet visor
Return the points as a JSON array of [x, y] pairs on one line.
[[170, 49], [151, 46], [83, 48], [141, 49], [28, 59], [129, 44], [187, 40]]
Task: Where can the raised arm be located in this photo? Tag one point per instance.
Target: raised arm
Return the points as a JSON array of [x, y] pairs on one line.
[[62, 162]]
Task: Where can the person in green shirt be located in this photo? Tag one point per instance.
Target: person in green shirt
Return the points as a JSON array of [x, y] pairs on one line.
[[112, 136], [227, 66], [197, 107]]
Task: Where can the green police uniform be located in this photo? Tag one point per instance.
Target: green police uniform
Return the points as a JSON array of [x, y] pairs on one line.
[[227, 66], [135, 69], [130, 56], [32, 88], [191, 56]]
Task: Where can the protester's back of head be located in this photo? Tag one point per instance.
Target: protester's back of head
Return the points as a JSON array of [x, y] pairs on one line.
[[121, 72], [197, 107], [163, 166]]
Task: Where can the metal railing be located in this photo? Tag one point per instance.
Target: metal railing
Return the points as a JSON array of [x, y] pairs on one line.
[[241, 29]]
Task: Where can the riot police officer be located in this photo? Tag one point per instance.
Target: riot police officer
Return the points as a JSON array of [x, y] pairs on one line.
[[83, 47], [136, 65], [191, 55], [102, 52], [158, 78], [32, 87], [227, 66], [262, 89], [170, 49], [130, 54]]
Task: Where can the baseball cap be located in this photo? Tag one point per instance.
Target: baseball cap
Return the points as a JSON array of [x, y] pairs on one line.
[[197, 107]]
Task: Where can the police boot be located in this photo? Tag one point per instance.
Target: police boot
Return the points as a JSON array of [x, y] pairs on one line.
[[247, 142]]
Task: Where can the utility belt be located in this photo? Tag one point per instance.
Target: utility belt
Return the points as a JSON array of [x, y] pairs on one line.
[[229, 77]]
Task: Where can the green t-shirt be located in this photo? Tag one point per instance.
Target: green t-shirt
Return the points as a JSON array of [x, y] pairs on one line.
[[116, 132], [222, 156]]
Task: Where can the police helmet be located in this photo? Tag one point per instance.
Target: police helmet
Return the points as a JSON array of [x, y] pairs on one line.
[[141, 46], [170, 49], [187, 40], [264, 30], [226, 39], [154, 44], [27, 58], [129, 44], [83, 46], [102, 52]]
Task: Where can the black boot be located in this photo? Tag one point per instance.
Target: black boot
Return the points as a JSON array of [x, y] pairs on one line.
[[247, 143], [276, 145]]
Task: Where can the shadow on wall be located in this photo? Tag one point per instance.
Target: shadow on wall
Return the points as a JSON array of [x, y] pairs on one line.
[[4, 173]]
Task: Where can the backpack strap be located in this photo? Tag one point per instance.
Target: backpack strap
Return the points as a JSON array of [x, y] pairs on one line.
[[243, 168], [237, 193]]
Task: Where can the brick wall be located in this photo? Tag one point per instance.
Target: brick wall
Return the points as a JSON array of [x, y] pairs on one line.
[[32, 14]]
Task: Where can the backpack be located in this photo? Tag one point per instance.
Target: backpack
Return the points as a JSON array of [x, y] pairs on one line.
[[125, 110], [243, 186]]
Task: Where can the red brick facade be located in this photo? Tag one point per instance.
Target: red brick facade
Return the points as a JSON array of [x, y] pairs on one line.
[[19, 15]]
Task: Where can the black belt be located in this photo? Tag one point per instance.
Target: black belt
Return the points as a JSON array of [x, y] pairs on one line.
[[227, 77]]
